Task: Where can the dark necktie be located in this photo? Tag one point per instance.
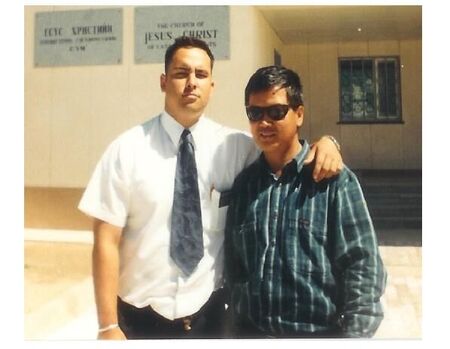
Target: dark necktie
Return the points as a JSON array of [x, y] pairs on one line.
[[186, 239]]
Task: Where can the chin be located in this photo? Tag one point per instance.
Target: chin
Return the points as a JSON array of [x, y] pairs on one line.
[[194, 108], [266, 146]]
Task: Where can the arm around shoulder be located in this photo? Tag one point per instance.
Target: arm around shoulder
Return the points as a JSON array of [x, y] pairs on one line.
[[327, 158]]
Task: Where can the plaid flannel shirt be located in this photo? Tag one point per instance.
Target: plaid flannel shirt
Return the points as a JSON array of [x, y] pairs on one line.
[[300, 256]]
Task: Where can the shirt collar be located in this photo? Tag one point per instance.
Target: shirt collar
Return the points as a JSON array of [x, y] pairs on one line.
[[299, 159], [174, 129], [301, 156]]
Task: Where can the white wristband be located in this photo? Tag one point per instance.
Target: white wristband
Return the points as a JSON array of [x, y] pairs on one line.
[[108, 328]]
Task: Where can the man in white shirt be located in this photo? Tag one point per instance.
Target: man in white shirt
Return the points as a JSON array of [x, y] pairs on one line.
[[140, 292]]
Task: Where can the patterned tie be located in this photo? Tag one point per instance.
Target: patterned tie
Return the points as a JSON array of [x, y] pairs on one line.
[[186, 240]]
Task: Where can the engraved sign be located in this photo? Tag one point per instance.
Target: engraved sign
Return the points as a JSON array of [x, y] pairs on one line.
[[87, 37], [156, 27]]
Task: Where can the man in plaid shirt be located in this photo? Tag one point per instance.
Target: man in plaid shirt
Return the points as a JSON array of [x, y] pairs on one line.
[[301, 257]]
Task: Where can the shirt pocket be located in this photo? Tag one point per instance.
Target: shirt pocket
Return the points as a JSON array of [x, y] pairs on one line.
[[304, 248], [247, 248], [219, 208]]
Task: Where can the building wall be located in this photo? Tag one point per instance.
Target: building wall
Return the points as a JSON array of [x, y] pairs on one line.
[[72, 113], [377, 146]]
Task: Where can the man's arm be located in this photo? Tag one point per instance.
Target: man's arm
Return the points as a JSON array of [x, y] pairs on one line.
[[358, 267], [327, 158], [105, 267]]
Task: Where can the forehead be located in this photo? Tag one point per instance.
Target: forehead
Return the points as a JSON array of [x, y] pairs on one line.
[[275, 95], [191, 58]]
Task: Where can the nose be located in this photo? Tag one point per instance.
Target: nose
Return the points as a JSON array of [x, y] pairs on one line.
[[191, 81], [266, 120]]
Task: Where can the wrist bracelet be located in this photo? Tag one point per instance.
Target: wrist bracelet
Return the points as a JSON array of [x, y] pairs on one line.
[[108, 328], [335, 142]]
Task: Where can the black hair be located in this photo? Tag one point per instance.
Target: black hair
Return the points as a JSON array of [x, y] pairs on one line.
[[276, 76], [186, 42]]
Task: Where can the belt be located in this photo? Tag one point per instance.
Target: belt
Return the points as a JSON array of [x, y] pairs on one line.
[[187, 321], [184, 322]]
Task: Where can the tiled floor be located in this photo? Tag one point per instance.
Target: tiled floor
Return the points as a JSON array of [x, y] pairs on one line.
[[402, 300], [59, 302]]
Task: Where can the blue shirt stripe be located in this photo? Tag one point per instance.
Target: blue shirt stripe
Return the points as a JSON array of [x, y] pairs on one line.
[[302, 256]]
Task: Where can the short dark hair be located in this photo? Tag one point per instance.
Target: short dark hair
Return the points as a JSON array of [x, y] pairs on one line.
[[268, 77], [186, 42]]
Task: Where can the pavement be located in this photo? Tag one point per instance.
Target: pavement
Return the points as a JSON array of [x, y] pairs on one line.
[[59, 297], [58, 284]]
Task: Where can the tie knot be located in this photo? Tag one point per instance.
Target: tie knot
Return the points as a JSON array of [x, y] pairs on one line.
[[186, 136]]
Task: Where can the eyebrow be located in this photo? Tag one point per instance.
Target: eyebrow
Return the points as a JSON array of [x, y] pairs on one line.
[[182, 68], [188, 69]]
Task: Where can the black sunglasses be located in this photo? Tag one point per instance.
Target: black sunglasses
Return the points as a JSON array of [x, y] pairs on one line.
[[274, 112]]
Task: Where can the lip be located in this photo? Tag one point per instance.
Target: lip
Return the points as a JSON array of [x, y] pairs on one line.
[[266, 134], [190, 95]]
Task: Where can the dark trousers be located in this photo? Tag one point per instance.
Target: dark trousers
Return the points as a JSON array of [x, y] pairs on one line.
[[145, 323], [244, 330]]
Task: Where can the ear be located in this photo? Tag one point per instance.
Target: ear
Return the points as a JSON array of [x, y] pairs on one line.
[[299, 113], [162, 82]]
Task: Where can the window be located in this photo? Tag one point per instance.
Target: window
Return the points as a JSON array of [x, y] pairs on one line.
[[370, 90]]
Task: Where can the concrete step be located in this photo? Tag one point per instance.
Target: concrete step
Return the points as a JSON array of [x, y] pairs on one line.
[[393, 223], [393, 211], [392, 189], [392, 175], [397, 199], [399, 237], [394, 198]]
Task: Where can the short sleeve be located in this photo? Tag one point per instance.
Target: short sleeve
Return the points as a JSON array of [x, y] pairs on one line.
[[236, 152], [107, 194]]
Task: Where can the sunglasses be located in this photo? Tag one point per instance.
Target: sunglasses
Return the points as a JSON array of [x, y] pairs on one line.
[[275, 112]]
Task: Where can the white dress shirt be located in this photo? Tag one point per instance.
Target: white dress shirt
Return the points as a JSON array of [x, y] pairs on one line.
[[132, 187]]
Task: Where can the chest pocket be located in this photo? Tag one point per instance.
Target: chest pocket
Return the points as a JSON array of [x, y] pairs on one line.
[[305, 248], [248, 248]]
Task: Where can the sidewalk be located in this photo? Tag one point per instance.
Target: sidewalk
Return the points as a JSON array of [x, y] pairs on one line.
[[58, 283], [59, 296]]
